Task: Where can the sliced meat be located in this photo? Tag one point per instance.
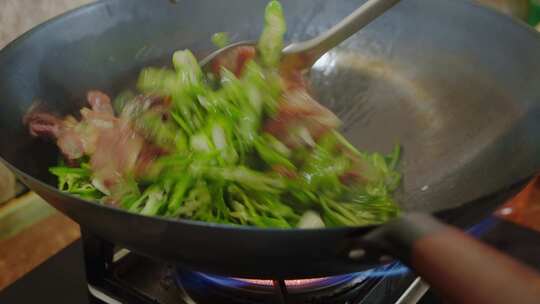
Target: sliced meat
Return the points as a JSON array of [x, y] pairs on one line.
[[142, 103], [70, 144], [122, 152], [299, 112], [284, 171], [116, 154], [114, 147], [234, 60], [46, 125], [149, 153], [42, 124], [100, 102], [100, 117], [361, 170], [74, 138], [293, 80]]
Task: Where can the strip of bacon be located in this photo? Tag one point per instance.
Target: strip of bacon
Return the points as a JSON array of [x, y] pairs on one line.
[[114, 147], [299, 110], [234, 60], [100, 102]]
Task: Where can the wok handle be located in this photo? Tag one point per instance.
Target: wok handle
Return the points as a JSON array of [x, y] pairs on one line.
[[460, 268]]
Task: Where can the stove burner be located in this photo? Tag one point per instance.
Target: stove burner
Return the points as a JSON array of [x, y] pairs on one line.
[[132, 278], [207, 288], [303, 285], [290, 284]]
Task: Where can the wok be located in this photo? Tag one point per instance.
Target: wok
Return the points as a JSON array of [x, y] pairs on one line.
[[455, 84]]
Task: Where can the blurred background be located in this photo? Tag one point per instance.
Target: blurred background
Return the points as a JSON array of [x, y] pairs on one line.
[[30, 230]]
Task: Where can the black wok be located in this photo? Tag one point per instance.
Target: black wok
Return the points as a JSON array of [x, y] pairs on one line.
[[456, 85]]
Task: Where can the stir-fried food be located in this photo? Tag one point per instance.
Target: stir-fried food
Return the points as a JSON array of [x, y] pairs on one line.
[[244, 144]]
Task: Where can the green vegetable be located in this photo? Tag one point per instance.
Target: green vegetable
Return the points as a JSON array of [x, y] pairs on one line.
[[164, 134], [76, 181], [121, 100], [151, 201], [161, 82], [187, 66], [246, 177], [271, 41], [178, 194], [128, 193], [273, 152], [222, 166], [220, 39]]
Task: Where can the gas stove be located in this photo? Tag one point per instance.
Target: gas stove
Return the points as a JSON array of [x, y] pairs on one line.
[[136, 279], [93, 271]]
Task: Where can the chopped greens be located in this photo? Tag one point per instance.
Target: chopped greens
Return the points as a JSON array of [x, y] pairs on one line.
[[220, 148], [271, 41], [220, 39], [76, 181]]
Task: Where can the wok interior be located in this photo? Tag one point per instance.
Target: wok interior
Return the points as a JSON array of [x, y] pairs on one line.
[[461, 113]]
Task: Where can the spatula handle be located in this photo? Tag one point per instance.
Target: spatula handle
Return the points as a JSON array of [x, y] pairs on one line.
[[318, 46]]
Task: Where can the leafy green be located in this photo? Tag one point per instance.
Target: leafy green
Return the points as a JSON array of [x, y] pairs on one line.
[[222, 166], [273, 152], [271, 41], [76, 181], [165, 134], [152, 201], [220, 39]]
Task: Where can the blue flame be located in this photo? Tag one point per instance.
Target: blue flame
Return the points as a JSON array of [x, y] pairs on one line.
[[239, 283], [224, 281], [393, 269], [481, 228]]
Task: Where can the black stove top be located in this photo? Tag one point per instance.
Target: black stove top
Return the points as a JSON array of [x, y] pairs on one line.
[[139, 280]]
